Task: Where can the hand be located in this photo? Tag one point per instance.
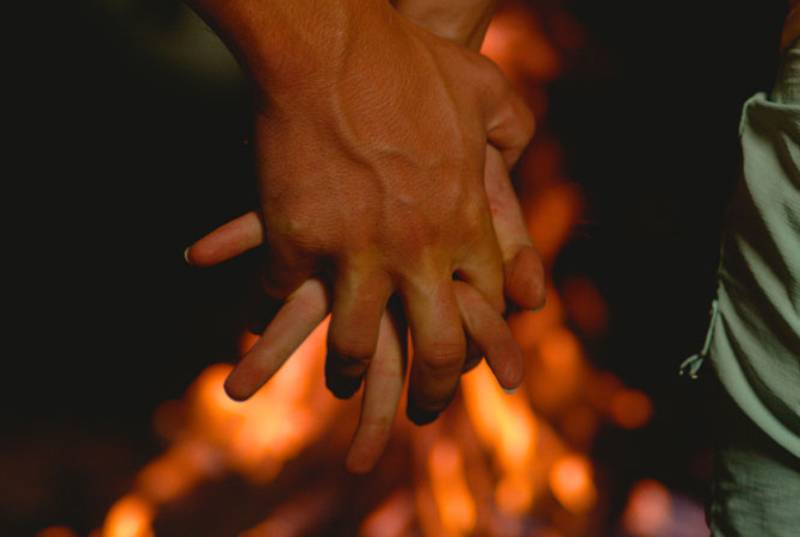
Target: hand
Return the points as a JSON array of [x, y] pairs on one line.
[[435, 241], [383, 385]]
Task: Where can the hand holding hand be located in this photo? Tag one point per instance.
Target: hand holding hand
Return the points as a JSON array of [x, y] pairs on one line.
[[377, 183]]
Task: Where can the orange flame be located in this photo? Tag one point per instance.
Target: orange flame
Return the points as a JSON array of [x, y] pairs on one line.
[[131, 516], [507, 427], [648, 510], [292, 411], [450, 491], [572, 483], [56, 531], [391, 519]]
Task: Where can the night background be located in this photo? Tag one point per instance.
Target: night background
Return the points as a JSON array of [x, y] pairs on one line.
[[134, 142]]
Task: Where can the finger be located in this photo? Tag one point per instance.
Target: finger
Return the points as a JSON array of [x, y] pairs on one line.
[[227, 241], [491, 334], [303, 311], [523, 271], [382, 392], [483, 269], [481, 265], [283, 274], [358, 305], [439, 348], [510, 123], [524, 279], [261, 312]]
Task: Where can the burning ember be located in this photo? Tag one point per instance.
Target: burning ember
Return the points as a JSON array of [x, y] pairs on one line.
[[494, 464]]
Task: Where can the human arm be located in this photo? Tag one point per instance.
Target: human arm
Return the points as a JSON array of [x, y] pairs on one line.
[[306, 302]]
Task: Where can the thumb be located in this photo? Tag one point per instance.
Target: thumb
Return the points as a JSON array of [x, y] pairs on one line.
[[227, 241], [509, 122], [524, 273]]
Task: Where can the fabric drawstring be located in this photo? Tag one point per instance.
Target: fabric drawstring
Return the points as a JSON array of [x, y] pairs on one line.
[[691, 366]]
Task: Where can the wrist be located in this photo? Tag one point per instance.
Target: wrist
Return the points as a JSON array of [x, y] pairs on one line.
[[461, 21], [280, 44]]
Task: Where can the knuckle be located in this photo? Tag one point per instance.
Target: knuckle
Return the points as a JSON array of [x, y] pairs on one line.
[[444, 356], [474, 214], [527, 123], [352, 351], [492, 71], [293, 226]]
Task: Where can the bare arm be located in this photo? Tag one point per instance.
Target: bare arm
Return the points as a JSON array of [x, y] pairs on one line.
[[279, 42], [372, 154], [371, 149], [791, 30], [461, 21]]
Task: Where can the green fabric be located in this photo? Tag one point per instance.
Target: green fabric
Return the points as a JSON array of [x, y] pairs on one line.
[[754, 339], [756, 485], [756, 332]]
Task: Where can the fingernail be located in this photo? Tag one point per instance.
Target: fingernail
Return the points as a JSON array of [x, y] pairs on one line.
[[186, 255], [343, 376], [511, 391], [234, 391], [421, 417], [342, 387]]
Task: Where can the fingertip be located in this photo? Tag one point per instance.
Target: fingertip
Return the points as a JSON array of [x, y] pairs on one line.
[[342, 387], [357, 463], [525, 280], [513, 370], [370, 439], [236, 389], [201, 255], [343, 376], [421, 417]]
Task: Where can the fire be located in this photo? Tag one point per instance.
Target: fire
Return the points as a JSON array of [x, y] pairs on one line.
[[486, 467], [131, 516], [508, 429], [392, 518], [631, 409], [649, 509], [450, 491], [572, 483], [56, 531]]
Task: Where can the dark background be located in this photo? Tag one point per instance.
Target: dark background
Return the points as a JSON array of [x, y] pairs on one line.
[[126, 156]]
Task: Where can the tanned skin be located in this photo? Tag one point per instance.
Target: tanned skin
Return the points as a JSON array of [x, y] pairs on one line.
[[383, 151]]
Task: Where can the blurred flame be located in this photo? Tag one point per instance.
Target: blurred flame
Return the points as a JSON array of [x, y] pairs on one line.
[[177, 471], [450, 491], [631, 409], [456, 491], [131, 516], [586, 306], [572, 483], [56, 531], [300, 514], [390, 519], [259, 435], [560, 370], [552, 216], [648, 510], [507, 427]]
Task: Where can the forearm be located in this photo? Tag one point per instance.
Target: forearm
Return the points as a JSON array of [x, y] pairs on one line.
[[791, 30], [279, 40]]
